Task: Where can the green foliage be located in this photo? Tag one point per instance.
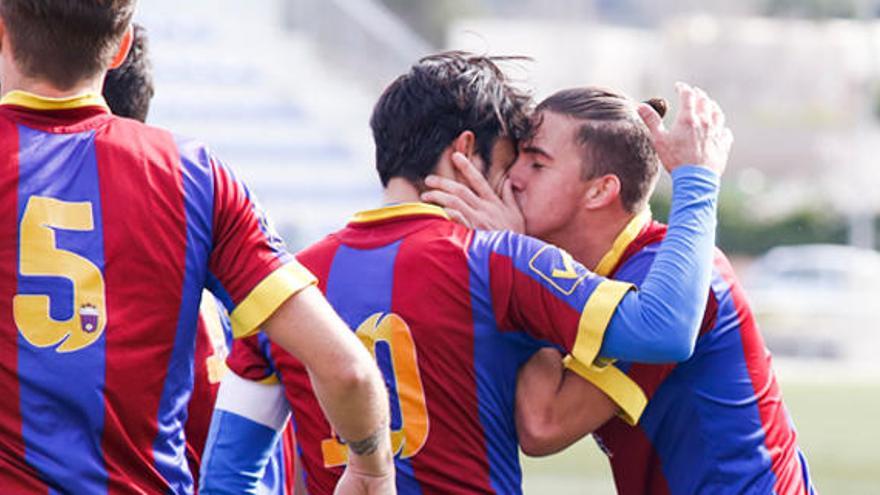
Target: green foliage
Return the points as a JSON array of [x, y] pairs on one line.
[[831, 419], [740, 233]]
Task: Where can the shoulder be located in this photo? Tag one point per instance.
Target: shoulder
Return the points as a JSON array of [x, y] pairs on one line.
[[504, 243], [155, 144]]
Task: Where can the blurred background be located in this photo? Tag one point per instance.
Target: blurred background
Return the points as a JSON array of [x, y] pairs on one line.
[[283, 90]]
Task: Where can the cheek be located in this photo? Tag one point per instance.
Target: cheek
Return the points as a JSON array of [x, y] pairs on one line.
[[549, 204]]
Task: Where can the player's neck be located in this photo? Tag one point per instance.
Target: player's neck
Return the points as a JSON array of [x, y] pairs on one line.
[[591, 236], [400, 190], [13, 80]]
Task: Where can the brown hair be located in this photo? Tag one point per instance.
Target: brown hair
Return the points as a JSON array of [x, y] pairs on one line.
[[442, 95], [65, 41], [613, 137]]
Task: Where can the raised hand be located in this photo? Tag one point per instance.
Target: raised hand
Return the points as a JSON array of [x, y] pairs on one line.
[[697, 137], [474, 203]]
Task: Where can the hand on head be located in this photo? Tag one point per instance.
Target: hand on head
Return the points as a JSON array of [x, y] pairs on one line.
[[697, 137], [473, 203]]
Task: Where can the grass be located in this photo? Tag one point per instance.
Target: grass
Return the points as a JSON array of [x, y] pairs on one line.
[[837, 428]]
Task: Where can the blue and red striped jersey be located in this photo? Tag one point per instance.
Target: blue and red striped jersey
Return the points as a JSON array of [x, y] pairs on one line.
[[715, 423], [450, 314], [112, 229]]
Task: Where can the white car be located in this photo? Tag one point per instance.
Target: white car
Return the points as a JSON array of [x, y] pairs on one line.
[[817, 300]]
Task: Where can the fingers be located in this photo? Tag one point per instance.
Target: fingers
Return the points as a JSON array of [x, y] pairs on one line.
[[652, 119], [702, 104], [452, 188], [457, 217], [448, 201], [472, 175], [687, 114], [717, 115]]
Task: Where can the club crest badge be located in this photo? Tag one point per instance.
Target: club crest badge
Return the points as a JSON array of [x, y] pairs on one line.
[[558, 269], [88, 318]]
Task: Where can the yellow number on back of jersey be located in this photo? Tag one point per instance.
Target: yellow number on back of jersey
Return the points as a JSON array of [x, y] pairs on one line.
[[39, 256]]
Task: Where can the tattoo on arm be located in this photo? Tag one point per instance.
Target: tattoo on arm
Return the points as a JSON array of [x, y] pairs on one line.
[[367, 445]]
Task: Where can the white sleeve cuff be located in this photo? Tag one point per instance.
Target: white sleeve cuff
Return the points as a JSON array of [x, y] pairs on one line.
[[261, 403]]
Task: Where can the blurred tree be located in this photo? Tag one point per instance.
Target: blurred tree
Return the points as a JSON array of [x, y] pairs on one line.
[[739, 233]]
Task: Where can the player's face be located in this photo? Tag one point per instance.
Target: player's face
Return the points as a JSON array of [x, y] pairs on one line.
[[546, 177], [503, 157]]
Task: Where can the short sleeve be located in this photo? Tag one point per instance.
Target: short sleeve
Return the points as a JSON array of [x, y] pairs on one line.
[[250, 269], [542, 290]]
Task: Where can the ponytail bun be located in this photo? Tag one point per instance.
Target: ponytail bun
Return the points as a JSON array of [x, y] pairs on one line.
[[660, 105]]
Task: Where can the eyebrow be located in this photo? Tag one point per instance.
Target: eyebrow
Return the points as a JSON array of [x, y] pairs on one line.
[[538, 151]]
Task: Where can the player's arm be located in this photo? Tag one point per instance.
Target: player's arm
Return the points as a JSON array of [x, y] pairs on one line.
[[672, 296], [264, 288], [345, 378], [555, 407]]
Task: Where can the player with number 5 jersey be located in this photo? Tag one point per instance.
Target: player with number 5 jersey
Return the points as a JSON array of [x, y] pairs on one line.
[[110, 229], [450, 313], [76, 275]]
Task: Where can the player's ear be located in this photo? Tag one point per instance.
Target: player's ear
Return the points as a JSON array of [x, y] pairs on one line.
[[124, 47], [603, 191], [465, 143]]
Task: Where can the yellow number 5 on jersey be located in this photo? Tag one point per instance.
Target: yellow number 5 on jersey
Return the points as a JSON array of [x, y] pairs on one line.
[[39, 256]]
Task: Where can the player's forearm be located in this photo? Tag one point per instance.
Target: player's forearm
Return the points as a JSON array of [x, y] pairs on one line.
[[346, 379], [555, 407], [537, 383], [660, 322]]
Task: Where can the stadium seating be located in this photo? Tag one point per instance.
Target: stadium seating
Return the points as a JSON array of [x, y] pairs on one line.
[[296, 131]]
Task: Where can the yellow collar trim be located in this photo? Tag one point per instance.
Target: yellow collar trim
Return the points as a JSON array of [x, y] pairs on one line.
[[37, 102], [396, 211], [624, 239]]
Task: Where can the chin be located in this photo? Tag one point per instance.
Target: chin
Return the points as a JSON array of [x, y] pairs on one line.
[[533, 228]]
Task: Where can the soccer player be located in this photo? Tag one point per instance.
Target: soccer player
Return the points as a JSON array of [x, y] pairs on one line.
[[112, 229], [451, 313], [128, 90], [715, 423]]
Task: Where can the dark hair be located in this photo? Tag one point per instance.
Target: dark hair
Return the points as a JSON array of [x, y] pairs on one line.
[[65, 41], [613, 137], [443, 95], [129, 88]]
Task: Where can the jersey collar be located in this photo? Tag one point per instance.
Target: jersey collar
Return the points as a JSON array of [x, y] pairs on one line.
[[37, 102], [623, 240], [401, 210]]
